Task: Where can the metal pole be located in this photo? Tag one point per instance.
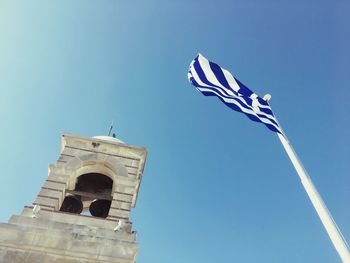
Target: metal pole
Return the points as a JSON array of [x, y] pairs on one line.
[[331, 227]]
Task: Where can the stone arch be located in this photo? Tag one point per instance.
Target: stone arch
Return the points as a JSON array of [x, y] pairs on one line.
[[95, 163], [91, 175]]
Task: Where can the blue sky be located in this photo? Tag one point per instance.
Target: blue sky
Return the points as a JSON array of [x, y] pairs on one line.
[[217, 187]]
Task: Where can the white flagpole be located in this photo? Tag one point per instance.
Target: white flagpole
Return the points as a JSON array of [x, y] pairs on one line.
[[331, 227]]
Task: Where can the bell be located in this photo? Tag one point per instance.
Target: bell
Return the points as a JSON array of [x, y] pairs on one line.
[[100, 208], [72, 204]]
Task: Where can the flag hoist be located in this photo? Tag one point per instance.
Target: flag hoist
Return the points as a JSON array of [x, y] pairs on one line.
[[212, 80]]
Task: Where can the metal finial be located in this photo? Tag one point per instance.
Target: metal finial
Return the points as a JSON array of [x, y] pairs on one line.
[[110, 129], [267, 97]]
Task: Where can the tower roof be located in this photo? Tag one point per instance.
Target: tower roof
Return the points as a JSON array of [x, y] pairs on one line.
[[108, 138]]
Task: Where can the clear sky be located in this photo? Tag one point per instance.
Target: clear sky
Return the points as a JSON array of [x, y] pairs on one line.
[[217, 187]]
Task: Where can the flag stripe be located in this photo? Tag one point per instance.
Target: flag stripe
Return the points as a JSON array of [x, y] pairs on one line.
[[235, 105], [244, 102], [207, 76], [212, 80]]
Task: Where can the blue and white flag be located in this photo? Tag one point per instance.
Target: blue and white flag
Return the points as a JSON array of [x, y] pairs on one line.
[[212, 80]]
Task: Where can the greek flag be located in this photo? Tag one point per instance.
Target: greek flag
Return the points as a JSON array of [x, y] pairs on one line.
[[212, 80]]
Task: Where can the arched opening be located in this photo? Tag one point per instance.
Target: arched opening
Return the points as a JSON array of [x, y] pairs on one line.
[[94, 183], [92, 193]]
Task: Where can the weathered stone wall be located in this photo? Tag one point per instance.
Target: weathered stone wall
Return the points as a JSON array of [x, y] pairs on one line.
[[53, 236], [65, 238]]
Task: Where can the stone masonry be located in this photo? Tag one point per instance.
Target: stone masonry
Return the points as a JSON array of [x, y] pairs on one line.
[[50, 235]]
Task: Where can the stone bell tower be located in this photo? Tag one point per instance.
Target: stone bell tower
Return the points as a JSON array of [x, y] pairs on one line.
[[81, 214]]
